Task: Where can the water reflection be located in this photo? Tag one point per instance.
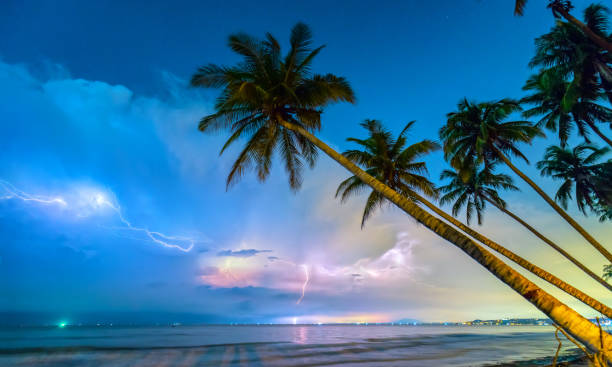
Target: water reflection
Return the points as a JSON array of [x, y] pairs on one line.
[[300, 334]]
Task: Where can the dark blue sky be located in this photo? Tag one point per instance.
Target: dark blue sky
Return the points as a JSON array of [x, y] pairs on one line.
[[95, 102], [399, 56]]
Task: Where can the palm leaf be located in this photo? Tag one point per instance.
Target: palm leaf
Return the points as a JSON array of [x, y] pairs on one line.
[[519, 7]]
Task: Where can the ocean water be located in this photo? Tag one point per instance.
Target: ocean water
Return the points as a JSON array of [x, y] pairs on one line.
[[275, 346]]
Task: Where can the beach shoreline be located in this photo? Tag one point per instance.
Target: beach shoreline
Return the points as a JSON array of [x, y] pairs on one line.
[[282, 346]]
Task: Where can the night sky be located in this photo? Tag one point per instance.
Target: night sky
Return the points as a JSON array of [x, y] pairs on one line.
[[111, 201]]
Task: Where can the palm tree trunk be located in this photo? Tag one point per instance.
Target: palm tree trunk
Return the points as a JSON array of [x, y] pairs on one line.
[[525, 264], [592, 35], [576, 325], [599, 133], [598, 246], [553, 245]]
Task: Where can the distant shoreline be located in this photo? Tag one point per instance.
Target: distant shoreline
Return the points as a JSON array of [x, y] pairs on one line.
[[179, 322], [113, 325]]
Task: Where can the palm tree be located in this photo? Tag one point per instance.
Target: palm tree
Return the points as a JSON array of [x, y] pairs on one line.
[[382, 157], [479, 188], [263, 94], [578, 168], [474, 190], [478, 132], [266, 90], [561, 8], [575, 57], [391, 162], [559, 111]]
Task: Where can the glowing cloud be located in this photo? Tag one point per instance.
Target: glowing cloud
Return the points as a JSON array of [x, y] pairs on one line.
[[240, 268]]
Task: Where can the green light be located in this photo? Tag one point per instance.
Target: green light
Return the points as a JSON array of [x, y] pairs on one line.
[[62, 325]]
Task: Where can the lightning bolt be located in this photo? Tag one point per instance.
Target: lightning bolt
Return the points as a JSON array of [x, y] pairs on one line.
[[306, 273], [306, 276], [11, 192], [154, 236]]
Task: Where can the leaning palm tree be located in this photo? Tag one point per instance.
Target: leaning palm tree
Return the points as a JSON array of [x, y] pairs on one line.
[[561, 8], [579, 169], [391, 162], [473, 191], [478, 132], [567, 49], [267, 96], [382, 157], [560, 111]]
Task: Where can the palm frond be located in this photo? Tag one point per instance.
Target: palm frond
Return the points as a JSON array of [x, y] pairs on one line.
[[596, 18], [352, 186], [293, 164], [374, 201], [519, 7]]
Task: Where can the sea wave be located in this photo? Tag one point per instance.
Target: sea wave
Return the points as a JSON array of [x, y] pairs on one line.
[[301, 346]]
